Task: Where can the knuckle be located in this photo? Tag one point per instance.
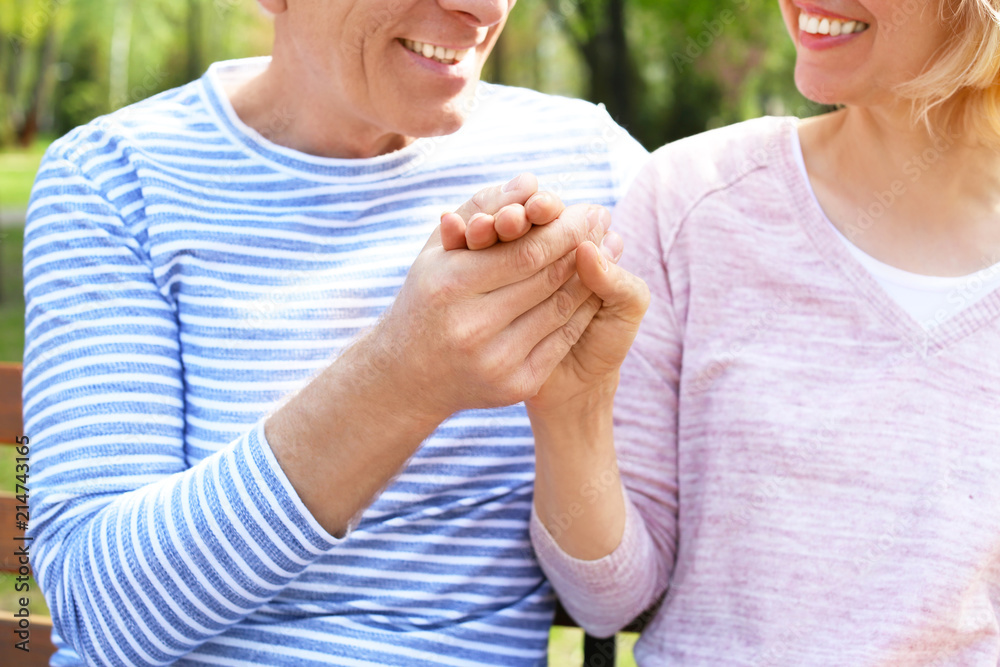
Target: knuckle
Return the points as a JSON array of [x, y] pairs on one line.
[[570, 333], [530, 256], [440, 290], [482, 200], [564, 305], [644, 294], [555, 275], [466, 338]]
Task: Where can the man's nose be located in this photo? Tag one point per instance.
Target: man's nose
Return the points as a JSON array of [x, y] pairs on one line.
[[479, 13]]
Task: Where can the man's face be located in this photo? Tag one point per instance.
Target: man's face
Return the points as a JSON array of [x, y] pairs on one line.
[[361, 54]]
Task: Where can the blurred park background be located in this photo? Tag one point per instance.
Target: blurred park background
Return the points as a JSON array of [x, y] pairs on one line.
[[665, 69]]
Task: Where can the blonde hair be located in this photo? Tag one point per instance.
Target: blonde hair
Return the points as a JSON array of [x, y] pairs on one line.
[[960, 92]]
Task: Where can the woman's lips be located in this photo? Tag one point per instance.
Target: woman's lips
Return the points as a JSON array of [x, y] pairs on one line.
[[816, 24]]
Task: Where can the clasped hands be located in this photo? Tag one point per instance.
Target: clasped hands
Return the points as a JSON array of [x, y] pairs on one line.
[[516, 297]]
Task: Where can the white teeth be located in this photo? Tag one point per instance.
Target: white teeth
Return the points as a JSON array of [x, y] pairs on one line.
[[824, 25], [438, 53]]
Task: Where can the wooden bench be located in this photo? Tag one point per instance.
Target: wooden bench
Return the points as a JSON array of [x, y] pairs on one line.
[[39, 630], [597, 652]]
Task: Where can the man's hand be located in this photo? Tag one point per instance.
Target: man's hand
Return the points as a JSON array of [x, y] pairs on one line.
[[467, 330], [486, 328], [500, 213]]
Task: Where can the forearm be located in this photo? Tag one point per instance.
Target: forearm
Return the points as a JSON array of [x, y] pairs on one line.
[[154, 573], [348, 432], [578, 493], [590, 541]]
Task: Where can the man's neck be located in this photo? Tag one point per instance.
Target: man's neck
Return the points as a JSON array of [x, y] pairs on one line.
[[269, 104]]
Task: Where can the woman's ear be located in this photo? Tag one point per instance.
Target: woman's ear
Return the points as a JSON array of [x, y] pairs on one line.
[[273, 7]]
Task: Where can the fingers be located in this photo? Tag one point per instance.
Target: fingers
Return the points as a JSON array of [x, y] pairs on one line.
[[514, 220], [481, 232], [546, 300], [543, 207], [551, 350], [512, 223], [490, 200], [624, 295], [558, 310], [510, 263], [516, 206], [453, 230]]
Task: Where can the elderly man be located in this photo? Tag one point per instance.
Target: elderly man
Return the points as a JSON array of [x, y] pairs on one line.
[[238, 337]]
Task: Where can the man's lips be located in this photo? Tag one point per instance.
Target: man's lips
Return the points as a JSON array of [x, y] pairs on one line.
[[441, 54]]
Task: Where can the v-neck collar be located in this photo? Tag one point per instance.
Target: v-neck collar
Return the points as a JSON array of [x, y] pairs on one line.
[[925, 342]]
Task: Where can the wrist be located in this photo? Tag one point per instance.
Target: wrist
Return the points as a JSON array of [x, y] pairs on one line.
[[584, 406], [401, 390]]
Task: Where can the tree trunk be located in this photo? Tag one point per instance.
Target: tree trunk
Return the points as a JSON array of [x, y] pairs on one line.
[[118, 61], [46, 53], [195, 65]]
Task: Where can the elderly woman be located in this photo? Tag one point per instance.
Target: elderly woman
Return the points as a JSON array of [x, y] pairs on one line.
[[807, 425]]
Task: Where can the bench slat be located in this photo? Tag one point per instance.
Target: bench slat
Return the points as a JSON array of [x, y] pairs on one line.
[[40, 645], [10, 402]]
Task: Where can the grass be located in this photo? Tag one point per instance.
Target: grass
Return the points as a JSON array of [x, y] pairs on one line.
[[566, 648], [11, 295], [17, 173]]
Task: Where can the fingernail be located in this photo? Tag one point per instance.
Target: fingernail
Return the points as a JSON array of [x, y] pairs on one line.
[[605, 218], [476, 217], [604, 260], [613, 245], [594, 217], [511, 185]]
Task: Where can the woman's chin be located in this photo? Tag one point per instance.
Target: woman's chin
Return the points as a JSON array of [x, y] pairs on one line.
[[818, 90]]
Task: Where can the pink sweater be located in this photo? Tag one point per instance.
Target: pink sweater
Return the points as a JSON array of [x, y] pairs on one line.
[[811, 478]]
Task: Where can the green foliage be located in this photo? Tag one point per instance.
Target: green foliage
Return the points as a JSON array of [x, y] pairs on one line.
[[64, 62], [665, 69], [691, 65]]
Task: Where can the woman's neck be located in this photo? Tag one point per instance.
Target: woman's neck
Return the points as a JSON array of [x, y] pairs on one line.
[[927, 203]]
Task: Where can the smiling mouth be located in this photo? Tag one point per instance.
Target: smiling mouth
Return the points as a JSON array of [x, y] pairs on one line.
[[437, 53], [824, 25]]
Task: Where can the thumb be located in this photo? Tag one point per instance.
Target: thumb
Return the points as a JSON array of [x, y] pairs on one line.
[[624, 295]]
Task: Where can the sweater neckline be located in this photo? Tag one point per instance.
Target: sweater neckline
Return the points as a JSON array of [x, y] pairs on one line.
[[297, 163], [925, 342]]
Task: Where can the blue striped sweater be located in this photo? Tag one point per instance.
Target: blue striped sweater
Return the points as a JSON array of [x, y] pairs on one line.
[[182, 276]]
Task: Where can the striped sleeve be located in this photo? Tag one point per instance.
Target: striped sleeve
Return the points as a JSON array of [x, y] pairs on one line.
[[141, 557]]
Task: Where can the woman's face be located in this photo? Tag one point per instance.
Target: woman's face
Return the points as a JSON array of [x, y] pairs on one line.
[[878, 45]]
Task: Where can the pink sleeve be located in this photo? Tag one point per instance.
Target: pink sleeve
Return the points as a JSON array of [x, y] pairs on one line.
[[605, 595]]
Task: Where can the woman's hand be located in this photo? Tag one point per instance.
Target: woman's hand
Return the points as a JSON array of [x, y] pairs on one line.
[[578, 495], [588, 375], [499, 213]]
